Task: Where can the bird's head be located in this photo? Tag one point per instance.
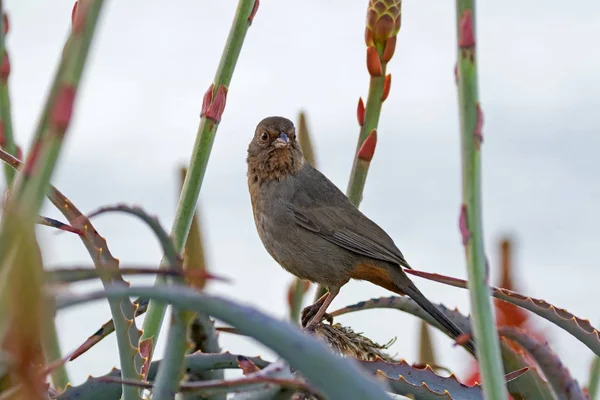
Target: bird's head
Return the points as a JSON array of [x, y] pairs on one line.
[[274, 151]]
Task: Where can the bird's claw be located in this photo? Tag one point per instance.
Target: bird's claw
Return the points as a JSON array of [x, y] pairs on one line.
[[308, 313]]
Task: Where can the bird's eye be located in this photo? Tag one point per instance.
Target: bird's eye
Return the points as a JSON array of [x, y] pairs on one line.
[[264, 136]]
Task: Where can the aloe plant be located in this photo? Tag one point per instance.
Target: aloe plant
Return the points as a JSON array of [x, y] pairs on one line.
[[330, 361]]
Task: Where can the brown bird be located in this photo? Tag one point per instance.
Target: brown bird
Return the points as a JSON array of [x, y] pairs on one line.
[[313, 231]]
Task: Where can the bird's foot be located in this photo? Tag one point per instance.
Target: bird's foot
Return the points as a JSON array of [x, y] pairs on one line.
[[309, 313]]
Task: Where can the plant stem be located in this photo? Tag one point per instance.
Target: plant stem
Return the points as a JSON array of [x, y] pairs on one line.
[[298, 289], [59, 376], [594, 375], [358, 176], [484, 329], [7, 137], [31, 185], [201, 152], [170, 371]]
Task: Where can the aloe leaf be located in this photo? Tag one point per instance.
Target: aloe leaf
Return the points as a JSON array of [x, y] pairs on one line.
[[407, 380], [139, 305], [78, 274], [52, 223], [24, 313], [204, 338], [308, 355], [530, 386], [163, 237], [170, 373], [557, 374], [275, 377], [99, 388], [580, 328], [122, 310]]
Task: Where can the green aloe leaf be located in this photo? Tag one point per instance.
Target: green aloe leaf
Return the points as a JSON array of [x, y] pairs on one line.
[[308, 355], [273, 379], [553, 368], [122, 310], [100, 389], [530, 386], [580, 328], [422, 382]]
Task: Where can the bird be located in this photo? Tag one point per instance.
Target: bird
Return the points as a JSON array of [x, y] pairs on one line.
[[310, 227]]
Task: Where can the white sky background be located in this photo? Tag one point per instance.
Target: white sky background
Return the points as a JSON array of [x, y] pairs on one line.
[[138, 112]]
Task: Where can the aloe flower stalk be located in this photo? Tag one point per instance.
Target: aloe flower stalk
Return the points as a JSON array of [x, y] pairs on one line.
[[383, 25], [471, 225], [212, 109], [31, 185], [7, 141], [29, 188]]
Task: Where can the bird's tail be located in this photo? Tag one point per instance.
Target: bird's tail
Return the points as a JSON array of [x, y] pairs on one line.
[[408, 287]]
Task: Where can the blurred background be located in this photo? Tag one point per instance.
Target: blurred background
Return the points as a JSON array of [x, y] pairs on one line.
[[138, 112]]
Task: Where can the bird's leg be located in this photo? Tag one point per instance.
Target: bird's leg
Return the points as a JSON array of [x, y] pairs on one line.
[[310, 311], [326, 301]]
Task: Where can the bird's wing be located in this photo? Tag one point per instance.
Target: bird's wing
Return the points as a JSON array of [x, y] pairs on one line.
[[327, 212]]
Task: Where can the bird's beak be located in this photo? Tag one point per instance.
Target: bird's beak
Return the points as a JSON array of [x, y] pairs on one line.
[[282, 141]]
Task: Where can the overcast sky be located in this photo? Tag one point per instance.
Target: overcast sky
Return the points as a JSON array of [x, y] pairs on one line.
[[138, 112]]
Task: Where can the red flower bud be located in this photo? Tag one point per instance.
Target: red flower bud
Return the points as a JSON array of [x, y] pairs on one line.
[[463, 225], [360, 112], [6, 23], [374, 62], [367, 149], [216, 108], [386, 87], [466, 36], [63, 108], [5, 67], [390, 47], [207, 99], [253, 12]]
